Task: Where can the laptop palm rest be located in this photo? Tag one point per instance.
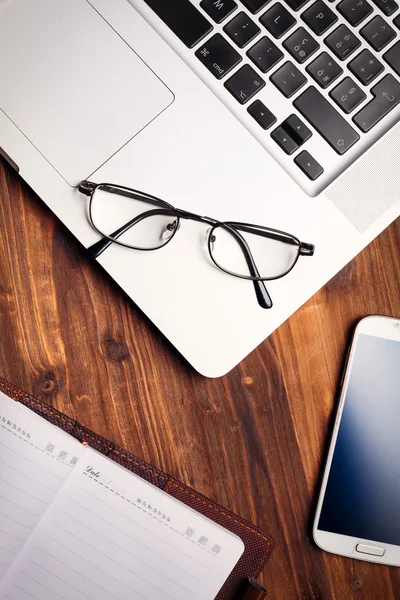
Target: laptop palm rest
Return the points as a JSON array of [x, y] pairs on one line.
[[72, 85]]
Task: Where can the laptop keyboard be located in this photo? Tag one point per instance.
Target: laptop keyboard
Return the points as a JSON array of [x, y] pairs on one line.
[[316, 82]]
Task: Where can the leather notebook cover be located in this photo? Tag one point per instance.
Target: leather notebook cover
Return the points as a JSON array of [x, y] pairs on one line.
[[258, 545]]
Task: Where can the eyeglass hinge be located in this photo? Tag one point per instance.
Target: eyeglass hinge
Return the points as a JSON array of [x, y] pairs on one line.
[[306, 249], [86, 187]]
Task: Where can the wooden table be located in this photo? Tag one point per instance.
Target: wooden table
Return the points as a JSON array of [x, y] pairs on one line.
[[253, 440]]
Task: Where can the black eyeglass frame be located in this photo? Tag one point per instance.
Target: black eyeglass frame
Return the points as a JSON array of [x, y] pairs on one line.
[[164, 208]]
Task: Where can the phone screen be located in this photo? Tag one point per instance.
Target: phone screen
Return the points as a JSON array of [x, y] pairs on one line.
[[362, 496]]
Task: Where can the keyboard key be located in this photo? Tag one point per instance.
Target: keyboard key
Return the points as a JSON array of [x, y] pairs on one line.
[[265, 54], [396, 21], [366, 67], [355, 11], [308, 165], [342, 42], [348, 95], [278, 20], [296, 4], [319, 17], [283, 139], [392, 57], [218, 56], [301, 45], [242, 29], [288, 79], [183, 19], [244, 84], [324, 70], [254, 6], [261, 114], [297, 130], [386, 98], [378, 33], [326, 120], [388, 7], [218, 9]]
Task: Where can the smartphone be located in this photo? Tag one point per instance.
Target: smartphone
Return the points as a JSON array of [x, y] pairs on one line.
[[358, 512]]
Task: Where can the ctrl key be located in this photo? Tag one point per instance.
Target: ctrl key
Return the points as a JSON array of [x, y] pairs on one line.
[[308, 165]]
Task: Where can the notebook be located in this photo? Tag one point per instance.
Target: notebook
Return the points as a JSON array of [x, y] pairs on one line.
[[75, 525]]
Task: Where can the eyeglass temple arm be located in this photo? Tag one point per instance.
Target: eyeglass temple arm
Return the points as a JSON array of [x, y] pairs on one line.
[[98, 247], [263, 297]]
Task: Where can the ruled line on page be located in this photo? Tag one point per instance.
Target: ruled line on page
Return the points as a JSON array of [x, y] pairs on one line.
[[91, 512], [31, 461], [19, 506], [74, 536], [10, 534], [26, 493], [15, 521], [22, 589], [57, 577], [7, 550], [27, 476], [136, 523], [124, 549], [108, 574], [43, 585], [87, 578]]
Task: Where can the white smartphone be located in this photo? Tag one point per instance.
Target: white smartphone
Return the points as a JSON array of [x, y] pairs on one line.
[[358, 512]]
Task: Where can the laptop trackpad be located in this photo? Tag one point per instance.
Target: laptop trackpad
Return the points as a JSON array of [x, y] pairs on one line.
[[73, 87]]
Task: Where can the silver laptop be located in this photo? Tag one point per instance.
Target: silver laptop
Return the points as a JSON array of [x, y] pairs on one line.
[[280, 114]]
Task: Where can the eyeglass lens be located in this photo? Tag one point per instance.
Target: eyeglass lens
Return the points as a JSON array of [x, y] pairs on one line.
[[111, 212], [273, 257]]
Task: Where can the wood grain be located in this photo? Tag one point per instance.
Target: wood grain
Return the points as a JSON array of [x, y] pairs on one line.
[[253, 440]]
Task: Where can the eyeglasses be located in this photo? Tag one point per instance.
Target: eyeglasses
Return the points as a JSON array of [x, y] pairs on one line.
[[141, 221]]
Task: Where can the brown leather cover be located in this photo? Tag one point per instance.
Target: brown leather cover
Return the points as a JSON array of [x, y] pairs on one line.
[[258, 544]]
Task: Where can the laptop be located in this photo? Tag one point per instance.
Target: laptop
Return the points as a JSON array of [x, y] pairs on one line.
[[284, 114]]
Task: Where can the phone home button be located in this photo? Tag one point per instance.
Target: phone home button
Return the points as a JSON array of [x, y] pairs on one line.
[[366, 549]]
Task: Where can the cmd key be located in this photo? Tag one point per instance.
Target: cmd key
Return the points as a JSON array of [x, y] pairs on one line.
[[218, 56], [326, 120]]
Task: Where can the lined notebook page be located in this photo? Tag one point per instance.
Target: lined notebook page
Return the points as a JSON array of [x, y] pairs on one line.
[[35, 460], [111, 535]]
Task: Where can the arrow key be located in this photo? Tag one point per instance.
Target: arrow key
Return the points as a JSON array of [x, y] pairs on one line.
[[296, 129], [261, 114], [386, 97], [283, 139], [308, 165]]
